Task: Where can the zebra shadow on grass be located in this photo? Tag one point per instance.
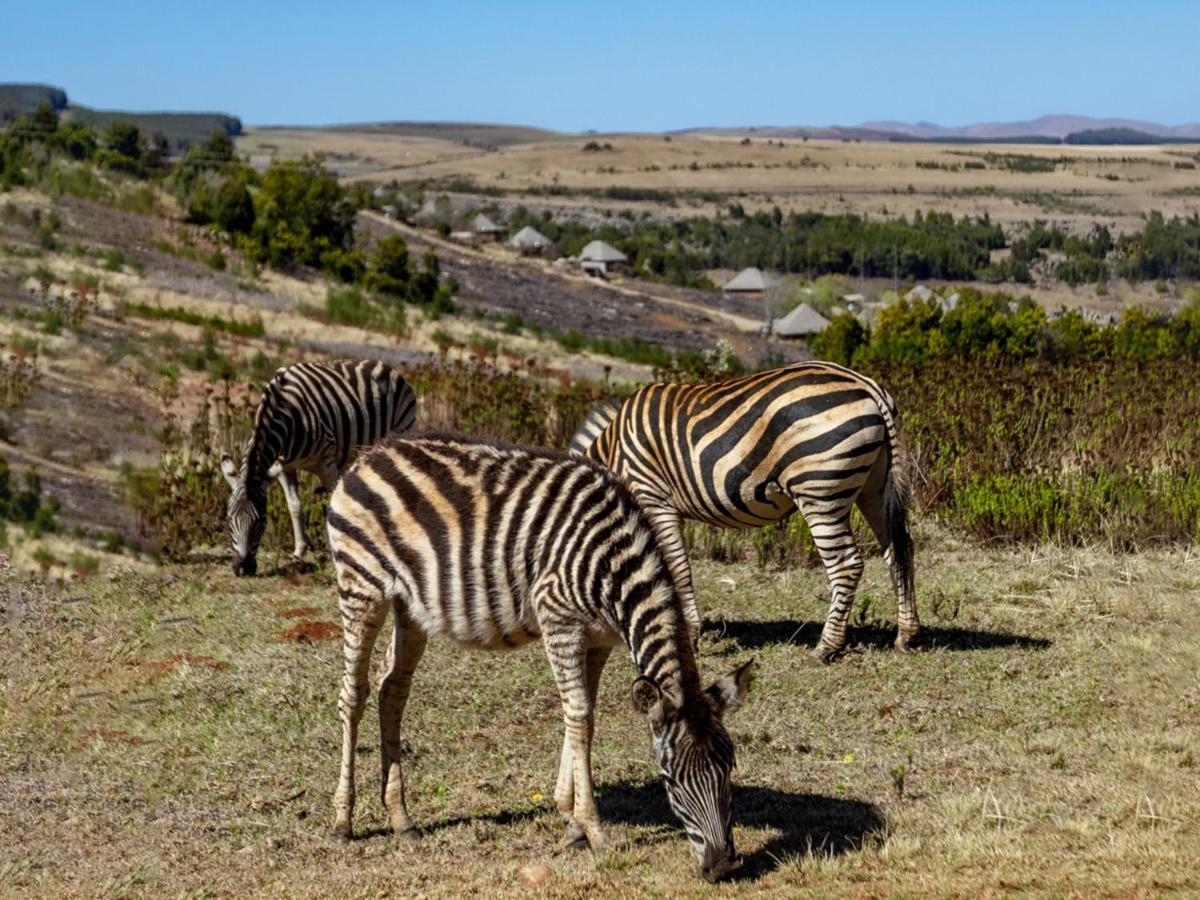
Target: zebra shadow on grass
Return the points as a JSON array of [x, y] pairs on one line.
[[750, 635], [802, 823]]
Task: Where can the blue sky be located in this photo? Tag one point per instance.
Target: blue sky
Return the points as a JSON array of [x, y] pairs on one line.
[[617, 66]]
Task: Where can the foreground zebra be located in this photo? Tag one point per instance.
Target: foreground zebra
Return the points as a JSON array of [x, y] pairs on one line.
[[493, 547], [748, 452], [312, 417]]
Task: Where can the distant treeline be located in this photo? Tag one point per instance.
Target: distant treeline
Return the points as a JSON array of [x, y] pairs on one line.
[[1000, 328], [927, 246], [180, 129]]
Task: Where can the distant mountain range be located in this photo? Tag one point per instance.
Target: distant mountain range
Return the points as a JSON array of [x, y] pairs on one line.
[[1058, 126], [182, 128], [1048, 129]]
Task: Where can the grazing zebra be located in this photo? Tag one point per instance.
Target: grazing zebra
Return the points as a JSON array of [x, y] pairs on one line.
[[492, 547], [312, 417], [748, 452]]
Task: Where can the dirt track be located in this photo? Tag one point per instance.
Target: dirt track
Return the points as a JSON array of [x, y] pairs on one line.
[[558, 302]]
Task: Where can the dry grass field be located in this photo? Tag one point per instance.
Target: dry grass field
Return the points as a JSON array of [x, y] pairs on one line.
[[1114, 185], [350, 154], [174, 732]]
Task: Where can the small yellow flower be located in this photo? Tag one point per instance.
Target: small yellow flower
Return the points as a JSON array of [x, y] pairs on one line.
[[536, 797], [849, 757]]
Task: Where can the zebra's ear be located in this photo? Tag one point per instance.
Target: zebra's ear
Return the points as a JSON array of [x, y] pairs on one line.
[[229, 470], [728, 691], [275, 469], [648, 699]]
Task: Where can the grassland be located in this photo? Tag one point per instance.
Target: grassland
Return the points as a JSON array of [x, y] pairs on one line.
[[1076, 185], [175, 732]]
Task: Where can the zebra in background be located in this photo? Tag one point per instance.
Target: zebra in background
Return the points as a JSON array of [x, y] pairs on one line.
[[750, 451], [312, 417], [493, 547]]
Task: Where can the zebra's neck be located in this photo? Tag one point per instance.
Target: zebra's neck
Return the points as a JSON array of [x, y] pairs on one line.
[[659, 642], [269, 438]]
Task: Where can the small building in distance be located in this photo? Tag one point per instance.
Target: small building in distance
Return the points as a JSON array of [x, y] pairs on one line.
[[601, 260], [920, 292], [485, 229], [750, 282], [530, 242], [801, 322]]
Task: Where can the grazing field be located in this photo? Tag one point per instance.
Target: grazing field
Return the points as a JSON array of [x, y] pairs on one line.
[[175, 732], [1076, 185]]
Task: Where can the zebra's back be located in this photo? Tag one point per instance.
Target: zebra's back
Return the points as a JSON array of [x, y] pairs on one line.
[[313, 411], [481, 542]]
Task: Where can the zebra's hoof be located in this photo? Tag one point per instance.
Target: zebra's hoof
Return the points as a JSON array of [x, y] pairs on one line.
[[823, 655], [575, 839], [907, 643], [342, 832], [408, 835]]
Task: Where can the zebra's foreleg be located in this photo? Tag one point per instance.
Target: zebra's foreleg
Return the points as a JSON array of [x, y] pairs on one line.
[[566, 649], [408, 644], [565, 788], [291, 492], [843, 561]]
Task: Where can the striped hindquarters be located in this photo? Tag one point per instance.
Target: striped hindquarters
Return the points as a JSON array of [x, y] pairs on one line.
[[736, 453]]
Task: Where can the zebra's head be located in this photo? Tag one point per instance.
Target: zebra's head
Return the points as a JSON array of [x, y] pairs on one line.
[[245, 514], [696, 756]]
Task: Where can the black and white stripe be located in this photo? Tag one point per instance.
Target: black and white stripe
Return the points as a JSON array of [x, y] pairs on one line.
[[493, 547], [750, 451], [312, 417]]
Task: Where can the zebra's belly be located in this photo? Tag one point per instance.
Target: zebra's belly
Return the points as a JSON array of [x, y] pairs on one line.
[[753, 506], [476, 624]]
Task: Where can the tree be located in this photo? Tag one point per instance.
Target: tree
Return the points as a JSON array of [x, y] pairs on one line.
[[840, 340], [303, 214], [232, 206], [389, 273]]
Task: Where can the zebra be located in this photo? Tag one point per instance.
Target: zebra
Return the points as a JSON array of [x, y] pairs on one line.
[[747, 452], [493, 546], [312, 417]]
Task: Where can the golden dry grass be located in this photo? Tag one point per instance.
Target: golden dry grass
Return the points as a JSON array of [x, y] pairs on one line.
[[162, 734], [1096, 184]]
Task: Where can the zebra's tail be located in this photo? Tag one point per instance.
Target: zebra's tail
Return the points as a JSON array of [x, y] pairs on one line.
[[897, 498]]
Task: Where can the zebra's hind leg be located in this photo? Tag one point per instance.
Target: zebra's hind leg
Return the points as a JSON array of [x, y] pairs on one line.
[[564, 791], [408, 644], [887, 514], [363, 610], [829, 521], [668, 528]]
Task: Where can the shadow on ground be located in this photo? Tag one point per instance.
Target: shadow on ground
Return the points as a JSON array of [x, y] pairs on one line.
[[501, 817], [802, 822], [749, 635]]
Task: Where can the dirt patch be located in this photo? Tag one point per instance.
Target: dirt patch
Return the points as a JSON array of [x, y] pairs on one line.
[[163, 667], [310, 631], [299, 612]]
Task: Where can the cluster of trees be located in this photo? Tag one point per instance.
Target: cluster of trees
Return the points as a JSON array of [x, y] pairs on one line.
[[293, 214], [996, 327], [31, 143]]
